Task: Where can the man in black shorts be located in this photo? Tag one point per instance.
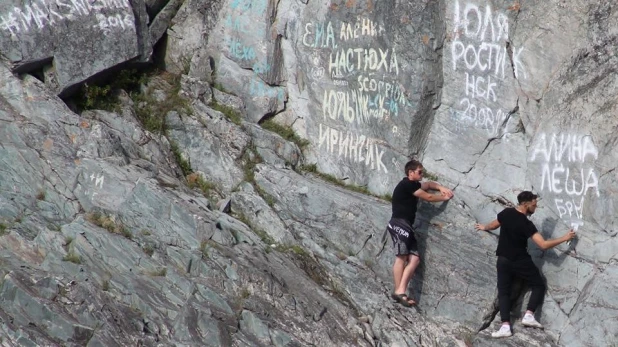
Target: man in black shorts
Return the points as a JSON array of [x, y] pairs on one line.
[[405, 198], [514, 260]]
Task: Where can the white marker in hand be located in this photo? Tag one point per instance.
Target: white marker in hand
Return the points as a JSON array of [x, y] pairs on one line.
[[575, 226]]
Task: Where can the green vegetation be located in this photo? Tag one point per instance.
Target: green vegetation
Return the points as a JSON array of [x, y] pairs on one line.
[[293, 249], [195, 180], [109, 224], [72, 257], [2, 229], [430, 176], [204, 249], [269, 199], [312, 168], [148, 249], [152, 111], [104, 96], [185, 165], [54, 227], [267, 239], [67, 242], [244, 293], [229, 112], [40, 195], [159, 273], [320, 276], [250, 158], [220, 87], [285, 132]]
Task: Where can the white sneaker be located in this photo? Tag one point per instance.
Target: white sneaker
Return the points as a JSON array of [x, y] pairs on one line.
[[529, 321], [504, 331]]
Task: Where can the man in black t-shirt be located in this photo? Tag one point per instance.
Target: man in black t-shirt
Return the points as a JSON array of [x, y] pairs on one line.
[[404, 201], [514, 260]]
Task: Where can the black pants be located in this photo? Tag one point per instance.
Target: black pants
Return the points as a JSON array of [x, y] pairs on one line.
[[525, 269]]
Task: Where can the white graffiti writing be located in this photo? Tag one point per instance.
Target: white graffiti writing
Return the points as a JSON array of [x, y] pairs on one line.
[[479, 47], [319, 35], [570, 147], [567, 172], [322, 35], [107, 24], [346, 61], [41, 13], [362, 27], [356, 107], [481, 117], [358, 148], [484, 31], [98, 180]]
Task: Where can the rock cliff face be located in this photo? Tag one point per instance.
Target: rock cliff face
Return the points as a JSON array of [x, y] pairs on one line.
[[235, 197]]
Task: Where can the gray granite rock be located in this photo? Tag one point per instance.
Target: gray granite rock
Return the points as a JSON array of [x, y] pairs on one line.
[[104, 243], [79, 38]]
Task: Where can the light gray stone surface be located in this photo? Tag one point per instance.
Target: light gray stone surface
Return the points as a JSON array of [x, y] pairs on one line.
[[493, 97]]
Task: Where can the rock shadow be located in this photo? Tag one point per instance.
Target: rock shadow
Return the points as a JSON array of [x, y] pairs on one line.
[[425, 213]]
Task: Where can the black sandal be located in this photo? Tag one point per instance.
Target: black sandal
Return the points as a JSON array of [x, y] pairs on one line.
[[404, 300]]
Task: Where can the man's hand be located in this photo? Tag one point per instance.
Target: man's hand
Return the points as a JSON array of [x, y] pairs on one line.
[[493, 225], [445, 191], [569, 235]]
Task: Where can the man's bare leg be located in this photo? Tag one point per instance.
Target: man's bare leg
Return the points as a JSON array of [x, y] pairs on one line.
[[408, 272], [398, 267]]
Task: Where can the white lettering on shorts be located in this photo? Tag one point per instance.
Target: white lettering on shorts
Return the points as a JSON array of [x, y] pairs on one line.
[[399, 230]]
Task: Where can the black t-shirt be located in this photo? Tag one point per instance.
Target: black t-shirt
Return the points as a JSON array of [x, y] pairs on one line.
[[515, 229], [404, 202]]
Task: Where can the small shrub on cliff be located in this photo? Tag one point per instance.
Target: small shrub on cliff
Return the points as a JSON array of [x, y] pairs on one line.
[[285, 132], [195, 180], [40, 195], [72, 257], [103, 96], [148, 249], [250, 159], [312, 168], [204, 249], [109, 224], [159, 273], [229, 112], [152, 111], [185, 164], [105, 286]]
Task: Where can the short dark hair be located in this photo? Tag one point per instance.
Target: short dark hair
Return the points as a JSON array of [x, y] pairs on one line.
[[526, 196], [412, 165]]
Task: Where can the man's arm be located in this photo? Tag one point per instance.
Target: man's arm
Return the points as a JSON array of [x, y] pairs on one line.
[[422, 194], [547, 244], [493, 225], [431, 185]]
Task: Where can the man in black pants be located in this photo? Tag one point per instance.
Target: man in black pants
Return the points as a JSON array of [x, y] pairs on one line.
[[514, 260], [404, 201]]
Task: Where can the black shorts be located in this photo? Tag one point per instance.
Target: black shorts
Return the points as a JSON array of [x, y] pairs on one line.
[[402, 234]]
